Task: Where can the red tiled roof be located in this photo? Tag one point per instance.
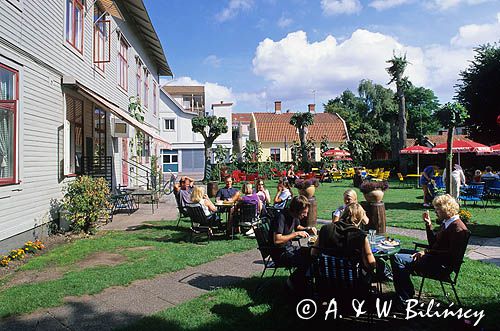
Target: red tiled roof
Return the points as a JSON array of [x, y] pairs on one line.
[[245, 118], [437, 139], [276, 128]]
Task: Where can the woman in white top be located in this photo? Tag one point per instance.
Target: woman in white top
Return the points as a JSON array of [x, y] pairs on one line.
[[199, 196], [262, 192], [350, 196], [282, 195], [457, 180]]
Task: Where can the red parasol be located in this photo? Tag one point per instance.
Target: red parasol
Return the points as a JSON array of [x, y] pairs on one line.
[[417, 149], [461, 146], [336, 153], [495, 150]]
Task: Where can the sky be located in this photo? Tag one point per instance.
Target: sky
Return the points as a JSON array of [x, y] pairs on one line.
[[255, 52]]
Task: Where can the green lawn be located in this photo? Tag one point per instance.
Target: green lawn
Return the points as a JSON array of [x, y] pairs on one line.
[[242, 308], [403, 207], [169, 252]]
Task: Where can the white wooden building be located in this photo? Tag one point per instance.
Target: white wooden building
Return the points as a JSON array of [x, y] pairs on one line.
[[67, 70]]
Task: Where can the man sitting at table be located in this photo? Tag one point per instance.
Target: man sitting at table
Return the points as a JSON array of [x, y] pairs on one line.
[[183, 190], [228, 193], [284, 228], [446, 246]]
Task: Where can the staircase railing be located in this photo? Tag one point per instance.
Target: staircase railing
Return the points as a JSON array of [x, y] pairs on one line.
[[98, 166], [145, 178]]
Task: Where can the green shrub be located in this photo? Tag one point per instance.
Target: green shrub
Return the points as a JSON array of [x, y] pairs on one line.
[[85, 201]]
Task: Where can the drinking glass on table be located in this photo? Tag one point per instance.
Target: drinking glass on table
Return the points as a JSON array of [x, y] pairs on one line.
[[371, 237]]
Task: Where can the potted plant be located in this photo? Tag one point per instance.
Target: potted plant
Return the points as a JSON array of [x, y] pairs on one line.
[[307, 187], [373, 191], [465, 215]]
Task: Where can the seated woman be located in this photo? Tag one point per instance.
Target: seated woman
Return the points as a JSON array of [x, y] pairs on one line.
[[290, 174], [263, 194], [350, 196], [345, 239], [249, 197], [198, 196], [282, 195]]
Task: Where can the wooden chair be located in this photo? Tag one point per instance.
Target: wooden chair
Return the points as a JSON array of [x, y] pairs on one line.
[[246, 216], [181, 210], [446, 273], [201, 223], [262, 235]]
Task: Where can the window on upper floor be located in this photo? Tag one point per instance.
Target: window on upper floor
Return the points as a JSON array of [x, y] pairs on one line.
[[169, 124], [155, 98], [102, 42], [9, 85], [74, 24], [123, 64], [145, 97], [138, 79]]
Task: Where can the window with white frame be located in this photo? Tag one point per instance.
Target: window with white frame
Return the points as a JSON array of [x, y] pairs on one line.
[[155, 98], [123, 64], [138, 78], [9, 96], [170, 158], [169, 124], [74, 24], [74, 118], [145, 97], [275, 154]]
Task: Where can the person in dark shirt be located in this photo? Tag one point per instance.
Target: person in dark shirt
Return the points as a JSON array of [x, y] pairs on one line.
[[184, 190], [284, 228], [426, 181], [446, 247], [228, 193]]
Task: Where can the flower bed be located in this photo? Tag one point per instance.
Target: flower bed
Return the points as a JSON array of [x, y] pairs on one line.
[[19, 254]]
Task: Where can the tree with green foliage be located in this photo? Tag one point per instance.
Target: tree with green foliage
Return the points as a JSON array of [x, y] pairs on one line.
[[478, 92], [210, 127], [421, 104], [301, 121], [252, 152], [396, 71], [450, 116]]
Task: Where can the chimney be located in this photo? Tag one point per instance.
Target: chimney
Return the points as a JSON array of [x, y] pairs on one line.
[[312, 108], [277, 107]]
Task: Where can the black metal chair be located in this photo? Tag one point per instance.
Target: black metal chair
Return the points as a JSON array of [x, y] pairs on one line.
[[446, 273], [201, 223], [246, 216], [262, 235], [122, 200], [342, 278], [182, 210]]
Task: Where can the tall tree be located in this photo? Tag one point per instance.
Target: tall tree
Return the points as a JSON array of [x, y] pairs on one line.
[[301, 121], [478, 92], [421, 104], [396, 71], [210, 127], [450, 116]]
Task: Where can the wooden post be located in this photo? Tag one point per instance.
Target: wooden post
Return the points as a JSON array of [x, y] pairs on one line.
[[312, 215], [376, 214], [212, 189]]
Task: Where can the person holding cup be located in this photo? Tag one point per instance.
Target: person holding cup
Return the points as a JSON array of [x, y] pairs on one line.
[[446, 246]]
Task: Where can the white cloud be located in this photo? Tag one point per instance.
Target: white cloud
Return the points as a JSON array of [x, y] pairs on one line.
[[212, 60], [214, 93], [476, 34], [386, 4], [284, 22], [335, 7], [233, 8], [447, 4]]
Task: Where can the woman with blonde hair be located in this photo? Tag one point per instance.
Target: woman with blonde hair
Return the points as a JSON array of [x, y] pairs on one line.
[[345, 238], [198, 196], [350, 196]]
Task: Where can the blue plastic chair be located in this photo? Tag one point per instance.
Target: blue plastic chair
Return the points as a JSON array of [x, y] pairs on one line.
[[472, 193], [439, 182]]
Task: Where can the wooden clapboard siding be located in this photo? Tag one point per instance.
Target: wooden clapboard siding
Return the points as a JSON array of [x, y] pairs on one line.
[[37, 28]]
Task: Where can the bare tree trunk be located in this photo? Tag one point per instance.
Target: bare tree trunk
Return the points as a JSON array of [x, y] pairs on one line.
[[303, 149], [208, 162], [402, 127], [449, 159], [394, 139]]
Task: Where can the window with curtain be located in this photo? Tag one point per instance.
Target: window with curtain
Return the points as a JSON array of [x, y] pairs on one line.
[[138, 79], [74, 24], [145, 98], [100, 38], [8, 113], [275, 154]]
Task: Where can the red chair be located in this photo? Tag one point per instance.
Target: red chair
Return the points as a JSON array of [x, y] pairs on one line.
[[251, 177], [236, 176]]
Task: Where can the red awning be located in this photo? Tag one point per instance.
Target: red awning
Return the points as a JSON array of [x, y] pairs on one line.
[[416, 150], [336, 153], [462, 146]]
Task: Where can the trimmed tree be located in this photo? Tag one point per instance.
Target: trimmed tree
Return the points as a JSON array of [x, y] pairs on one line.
[[301, 121], [210, 127], [450, 116]]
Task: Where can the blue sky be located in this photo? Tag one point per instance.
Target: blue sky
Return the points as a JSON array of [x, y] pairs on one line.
[[253, 52]]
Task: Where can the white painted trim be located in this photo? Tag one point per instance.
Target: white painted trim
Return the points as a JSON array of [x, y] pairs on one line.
[[345, 126]]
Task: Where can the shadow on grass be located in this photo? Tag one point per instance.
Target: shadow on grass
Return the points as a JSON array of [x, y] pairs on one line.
[[404, 205], [484, 230]]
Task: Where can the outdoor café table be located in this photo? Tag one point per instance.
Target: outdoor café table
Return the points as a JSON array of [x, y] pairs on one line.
[[142, 193], [224, 207]]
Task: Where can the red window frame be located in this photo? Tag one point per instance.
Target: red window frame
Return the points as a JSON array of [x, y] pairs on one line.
[[102, 27], [155, 98], [71, 39], [14, 102], [123, 65], [138, 77], [146, 89]]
